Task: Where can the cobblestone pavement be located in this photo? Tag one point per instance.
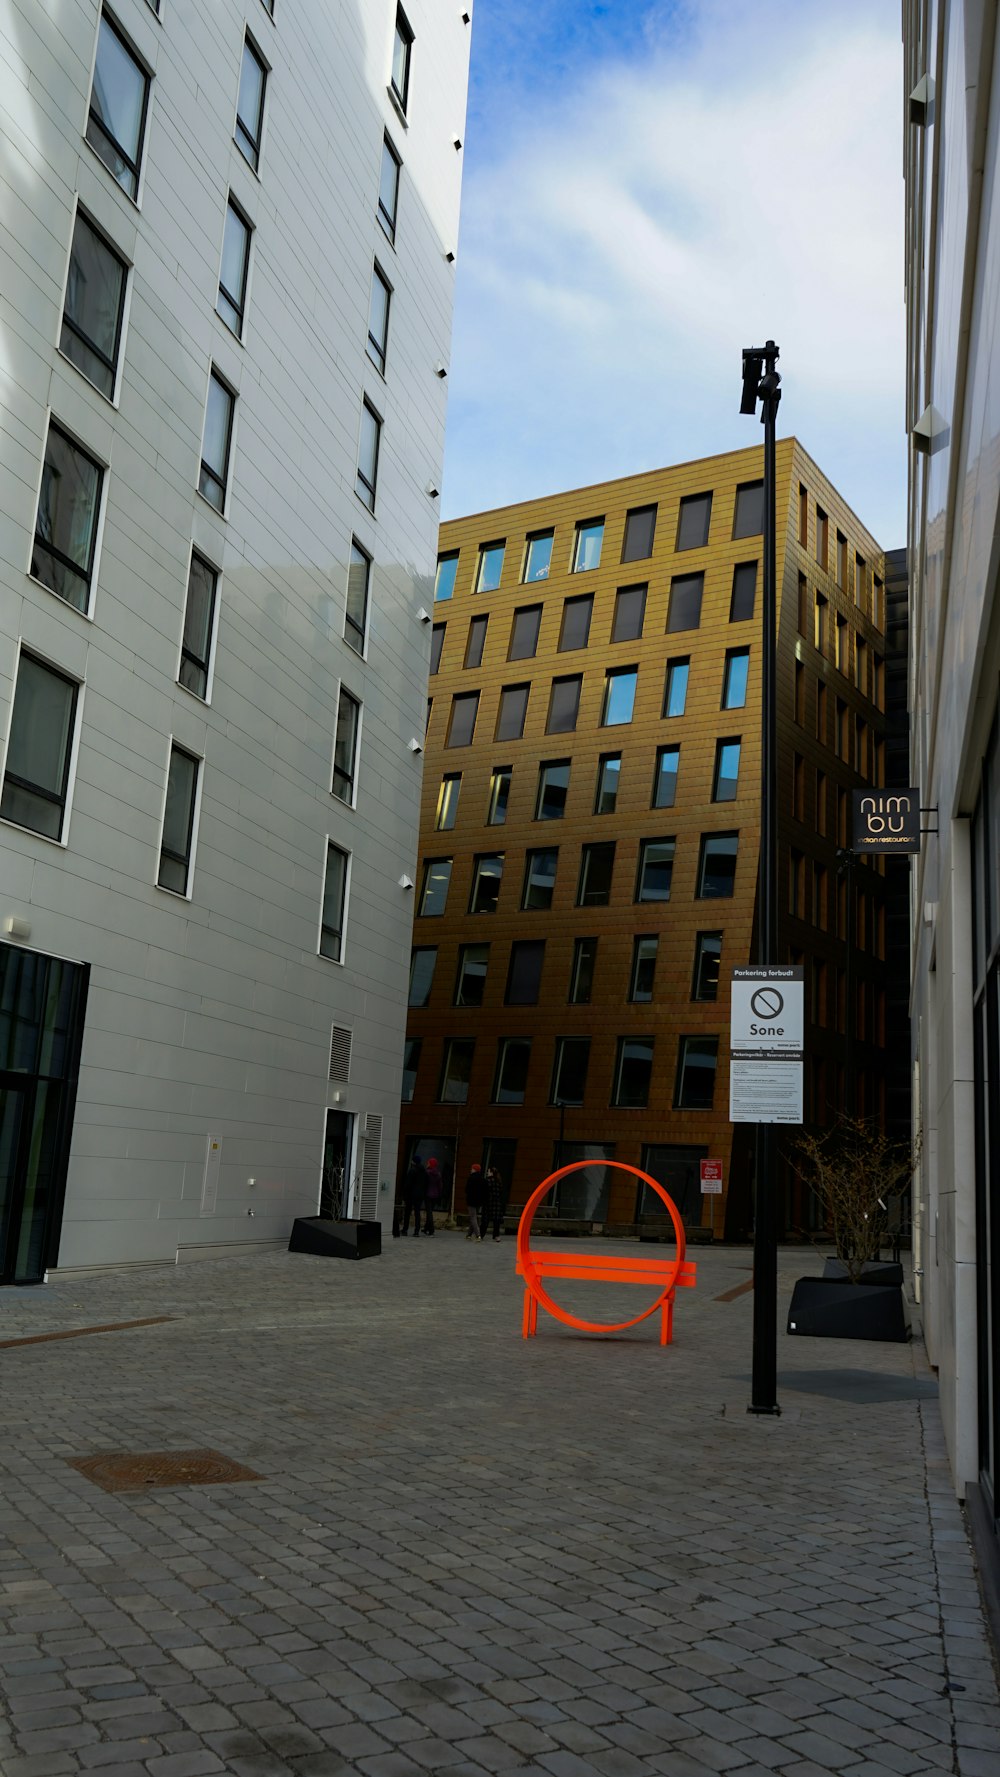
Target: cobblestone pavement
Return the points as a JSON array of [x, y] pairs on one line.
[[467, 1553]]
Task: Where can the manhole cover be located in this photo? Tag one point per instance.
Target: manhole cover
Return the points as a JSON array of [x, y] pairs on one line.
[[129, 1471]]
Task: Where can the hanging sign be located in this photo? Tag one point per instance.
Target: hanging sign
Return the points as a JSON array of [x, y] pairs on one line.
[[887, 820]]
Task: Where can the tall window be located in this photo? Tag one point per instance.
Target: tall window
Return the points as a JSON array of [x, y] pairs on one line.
[[345, 747], [640, 529], [842, 561], [470, 977], [378, 319], [717, 866], [356, 606], [411, 1062], [822, 537], [368, 449], [609, 771], [490, 569], [511, 712], [388, 188], [217, 442], [462, 725], [633, 1073], [665, 777], [447, 568], [402, 45], [434, 889], [524, 975], [575, 628], [569, 1072], [39, 748], [447, 802], [475, 642], [437, 643], [199, 622], [619, 696], [564, 705], [630, 608], [748, 518], [487, 875], [118, 103], [496, 812], [734, 678], [697, 1058], [820, 623], [860, 577], [538, 556], [587, 545], [675, 689], [511, 1080], [707, 960], [540, 867], [597, 863], [725, 779], [803, 515], [524, 633], [553, 788], [232, 297], [843, 646], [422, 965], [744, 593], [250, 104], [685, 602], [581, 975], [456, 1070], [178, 822], [69, 505], [95, 304], [643, 972], [693, 521], [655, 870]]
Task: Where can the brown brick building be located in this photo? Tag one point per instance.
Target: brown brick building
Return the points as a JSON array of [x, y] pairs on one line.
[[590, 828]]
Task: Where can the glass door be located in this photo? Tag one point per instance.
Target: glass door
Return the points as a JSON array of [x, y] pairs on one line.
[[29, 1149], [335, 1183]]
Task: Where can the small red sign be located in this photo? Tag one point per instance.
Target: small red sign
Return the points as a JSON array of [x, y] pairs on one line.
[[711, 1178]]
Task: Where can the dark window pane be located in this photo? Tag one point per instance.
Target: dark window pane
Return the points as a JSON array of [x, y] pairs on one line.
[[422, 962], [630, 607], [581, 979], [411, 1061], [597, 864], [198, 617], [512, 711], [569, 1074], [640, 528], [564, 704], [744, 592], [575, 629], [66, 525], [215, 445], [368, 449], [717, 865], [447, 803], [178, 822], [231, 299], [553, 787], [633, 1072], [356, 610], [685, 602], [476, 642], [524, 975], [675, 693], [665, 777], [470, 981], [456, 1070], [378, 320], [461, 728], [693, 521], [437, 643], [608, 778], [402, 44], [388, 188], [643, 973], [496, 813], [118, 107], [512, 1070], [707, 956], [655, 872], [38, 749], [539, 878], [345, 746], [524, 632], [487, 875], [696, 1062], [95, 299], [749, 517], [250, 104], [434, 893]]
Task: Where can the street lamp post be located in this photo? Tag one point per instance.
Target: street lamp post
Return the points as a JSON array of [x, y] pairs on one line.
[[762, 383]]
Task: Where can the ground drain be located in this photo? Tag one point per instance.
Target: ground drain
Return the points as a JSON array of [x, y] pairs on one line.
[[129, 1471]]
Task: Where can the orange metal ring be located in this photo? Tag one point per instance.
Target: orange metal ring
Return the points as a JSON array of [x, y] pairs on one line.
[[534, 1284]]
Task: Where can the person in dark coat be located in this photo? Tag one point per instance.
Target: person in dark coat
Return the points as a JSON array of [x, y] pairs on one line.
[[495, 1202], [414, 1194], [475, 1195], [433, 1194]]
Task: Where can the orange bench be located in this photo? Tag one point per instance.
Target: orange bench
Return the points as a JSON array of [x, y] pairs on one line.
[[666, 1276]]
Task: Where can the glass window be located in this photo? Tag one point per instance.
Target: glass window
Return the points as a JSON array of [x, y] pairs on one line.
[[843, 648], [231, 300], [524, 976], [575, 628], [447, 802], [734, 678], [345, 747], [411, 1062], [356, 605], [539, 878], [39, 748], [511, 712], [250, 105], [619, 696], [95, 303], [496, 813], [748, 518], [744, 593], [822, 537], [178, 822], [609, 771], [860, 577], [118, 101], [553, 788], [717, 866], [686, 592], [597, 864], [447, 568], [69, 504], [665, 776], [538, 558], [727, 771], [630, 608], [707, 958], [633, 1073], [587, 545], [490, 566], [524, 633], [513, 1056], [378, 319], [475, 642], [434, 889], [675, 690], [402, 44], [437, 643], [368, 449], [643, 972], [640, 529], [199, 618], [819, 623], [693, 521], [388, 188], [487, 875], [423, 961], [655, 871], [842, 561], [456, 1070], [564, 705], [696, 1063], [569, 1072], [219, 410], [803, 515], [462, 725], [470, 977], [581, 975]]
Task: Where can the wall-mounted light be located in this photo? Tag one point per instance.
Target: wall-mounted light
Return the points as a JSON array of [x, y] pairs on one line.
[[931, 431], [405, 882], [415, 745], [17, 928], [440, 370], [423, 616], [921, 100], [433, 490]]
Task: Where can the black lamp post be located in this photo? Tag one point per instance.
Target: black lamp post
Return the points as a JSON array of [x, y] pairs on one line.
[[762, 383]]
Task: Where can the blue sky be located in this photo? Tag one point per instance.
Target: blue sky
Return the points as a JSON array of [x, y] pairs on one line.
[[650, 185]]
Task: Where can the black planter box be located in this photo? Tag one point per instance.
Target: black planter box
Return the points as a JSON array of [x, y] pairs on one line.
[[872, 1271], [336, 1240], [832, 1308]]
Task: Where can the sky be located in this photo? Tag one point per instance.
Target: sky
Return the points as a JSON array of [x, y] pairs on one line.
[[650, 186]]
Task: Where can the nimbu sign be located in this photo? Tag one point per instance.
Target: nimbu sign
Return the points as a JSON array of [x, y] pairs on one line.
[[887, 820]]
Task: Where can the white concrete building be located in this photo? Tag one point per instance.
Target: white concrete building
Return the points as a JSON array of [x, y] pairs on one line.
[[227, 239], [952, 74]]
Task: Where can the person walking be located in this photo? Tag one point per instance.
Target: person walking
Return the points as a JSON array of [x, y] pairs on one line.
[[495, 1202], [433, 1194], [414, 1194], [475, 1194]]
